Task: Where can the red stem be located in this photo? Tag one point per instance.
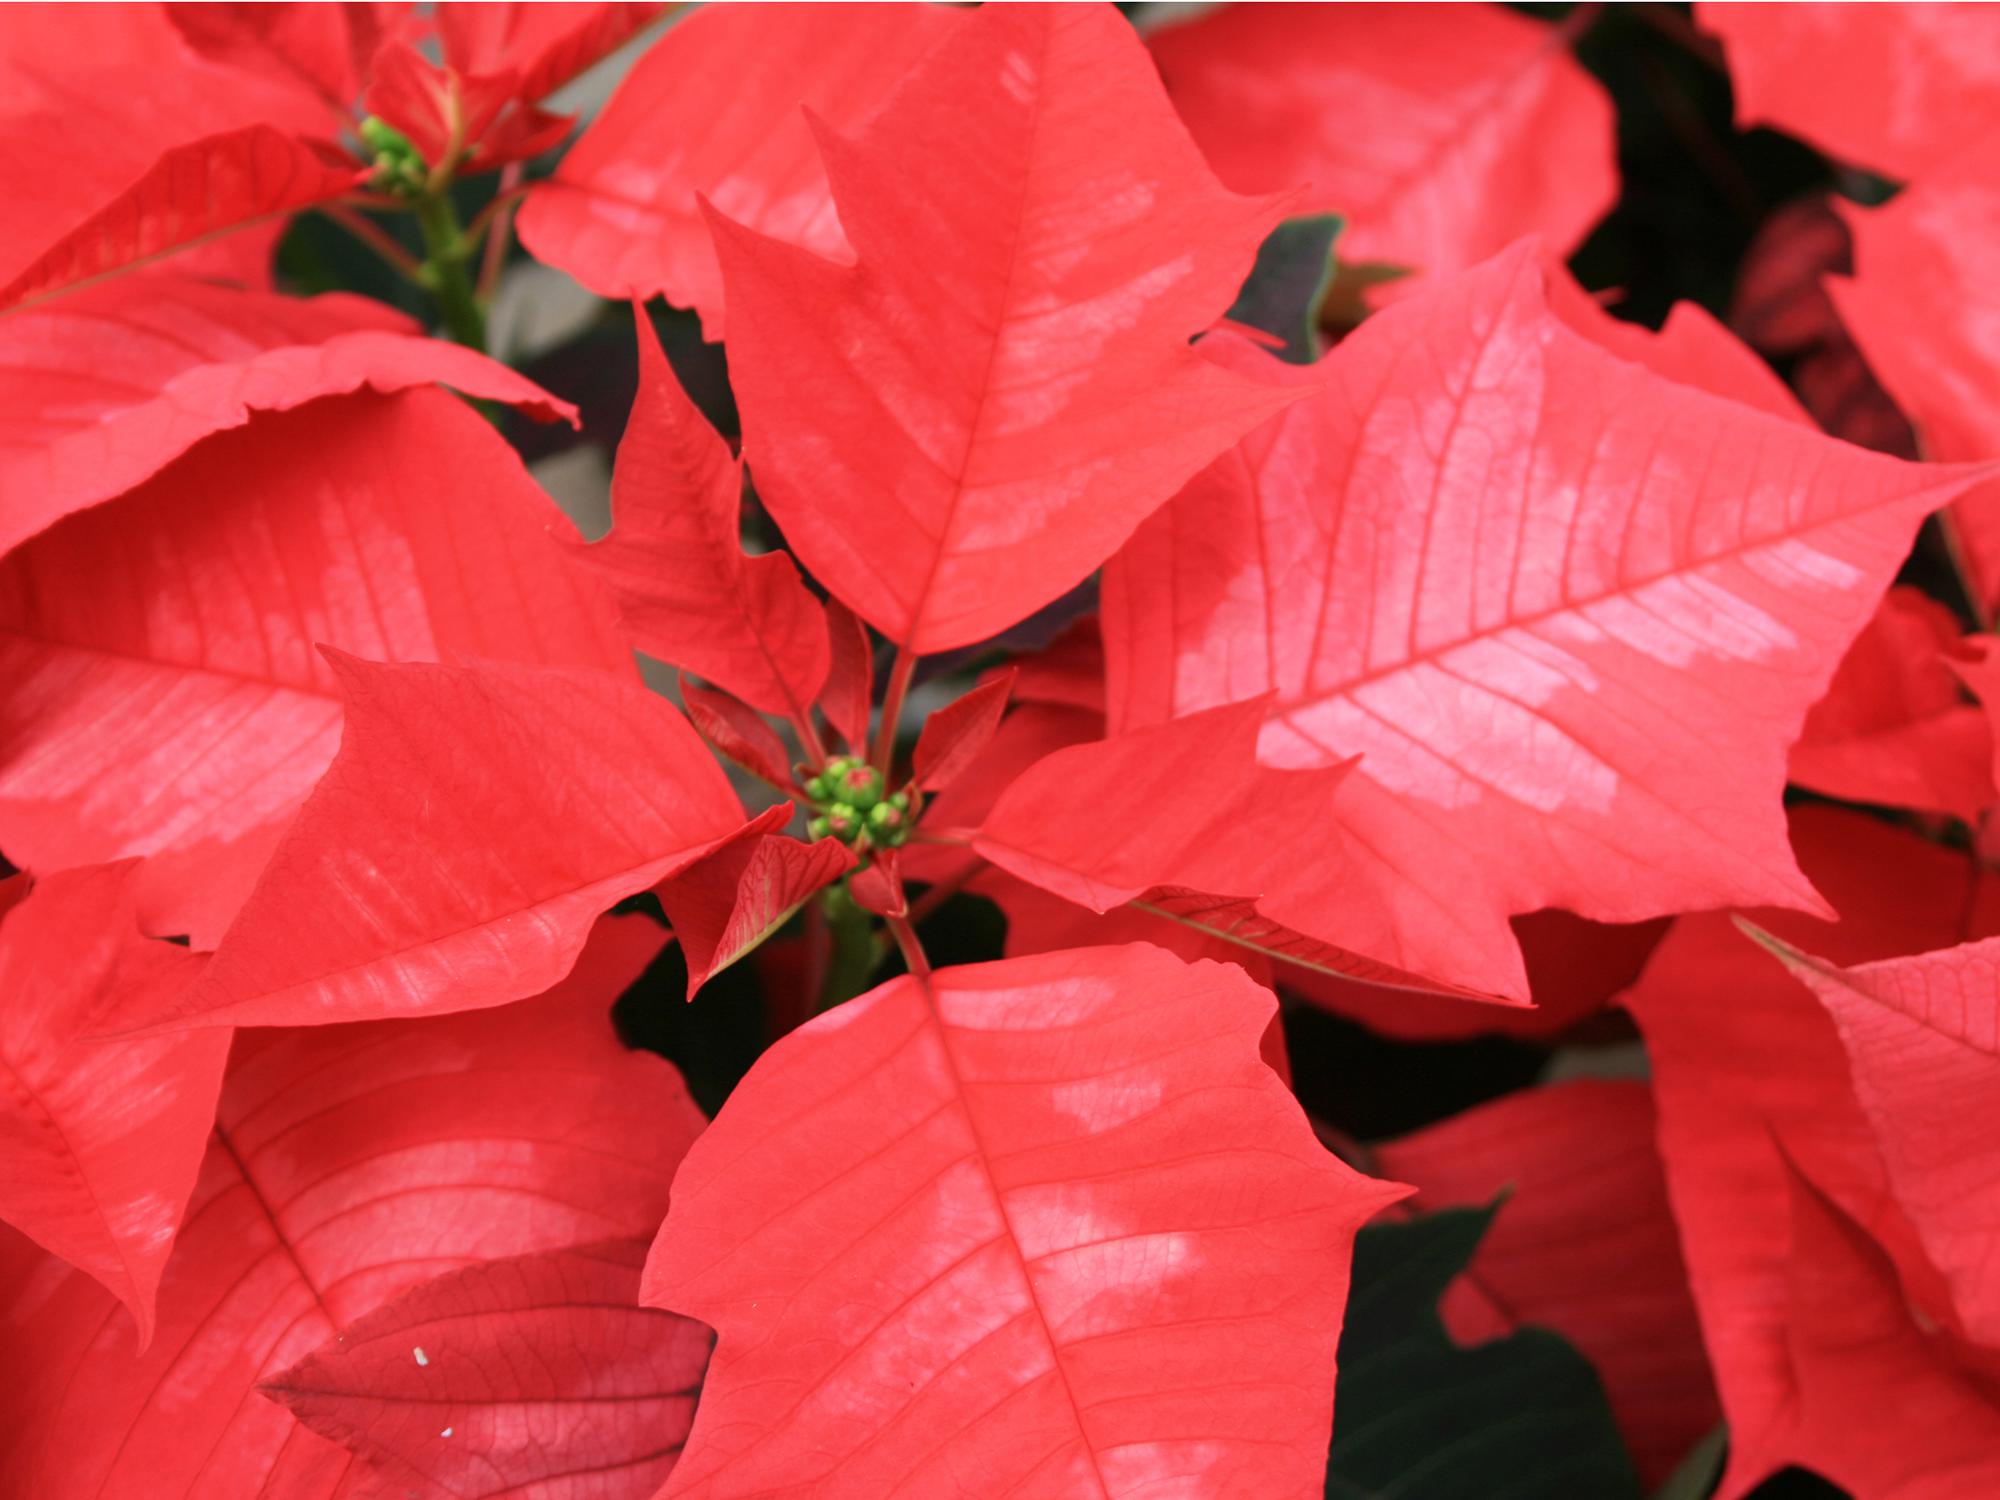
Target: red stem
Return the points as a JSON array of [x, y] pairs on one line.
[[892, 708], [374, 237], [913, 948], [809, 741]]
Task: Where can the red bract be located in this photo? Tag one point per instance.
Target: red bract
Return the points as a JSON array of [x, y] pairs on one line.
[[1894, 88], [1923, 1038], [1755, 1091], [1544, 590], [1894, 726], [718, 110], [211, 119], [944, 487], [1920, 306], [674, 559], [180, 703], [1188, 736], [101, 1137], [1440, 134], [537, 1376], [1046, 1225], [101, 391], [375, 905], [348, 1164]]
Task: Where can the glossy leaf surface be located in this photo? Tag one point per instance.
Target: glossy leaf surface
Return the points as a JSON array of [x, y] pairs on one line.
[[349, 1164], [674, 559], [375, 904], [99, 1139], [101, 391], [717, 109], [1538, 590], [1893, 88], [1754, 1088], [1922, 1035], [1055, 1227], [1894, 726], [1922, 306], [944, 488], [538, 1377], [164, 690], [1439, 134]]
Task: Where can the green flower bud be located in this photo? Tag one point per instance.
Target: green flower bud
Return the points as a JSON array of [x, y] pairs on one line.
[[860, 785], [886, 817], [384, 137], [818, 828], [844, 823], [900, 801], [817, 789]]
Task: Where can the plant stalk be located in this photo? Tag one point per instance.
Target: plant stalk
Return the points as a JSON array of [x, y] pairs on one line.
[[446, 271]]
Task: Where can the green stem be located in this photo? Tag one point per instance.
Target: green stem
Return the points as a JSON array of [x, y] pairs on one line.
[[446, 271], [854, 954]]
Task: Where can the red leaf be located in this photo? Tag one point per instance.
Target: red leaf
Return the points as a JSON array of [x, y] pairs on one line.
[[947, 486], [1894, 727], [714, 108], [1584, 1244], [546, 45], [1752, 1084], [1056, 1226], [1040, 922], [324, 47], [1859, 1359], [1025, 736], [117, 133], [1543, 594], [1180, 819], [725, 905], [1919, 307], [1690, 347], [1576, 968], [208, 187], [878, 886], [737, 732], [349, 1163], [1894, 88], [1978, 667], [1440, 134], [1069, 670], [1922, 1036], [953, 736], [101, 391], [674, 559], [476, 120], [99, 1140], [162, 687], [379, 902], [850, 677], [533, 1377]]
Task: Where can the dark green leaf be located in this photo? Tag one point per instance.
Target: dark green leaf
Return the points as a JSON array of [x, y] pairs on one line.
[[1287, 285], [1419, 1418]]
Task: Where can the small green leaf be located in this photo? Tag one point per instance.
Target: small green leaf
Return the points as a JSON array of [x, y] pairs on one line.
[[1417, 1417]]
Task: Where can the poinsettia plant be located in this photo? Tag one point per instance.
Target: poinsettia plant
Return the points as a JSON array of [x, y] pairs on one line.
[[1256, 757]]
